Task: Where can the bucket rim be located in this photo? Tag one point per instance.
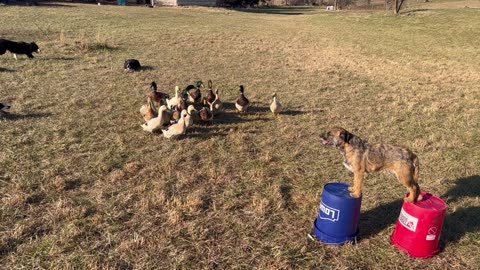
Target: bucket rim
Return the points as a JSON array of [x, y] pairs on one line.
[[409, 253], [415, 205], [332, 240], [341, 184]]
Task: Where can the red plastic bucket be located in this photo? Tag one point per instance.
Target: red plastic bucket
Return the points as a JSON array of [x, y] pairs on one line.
[[419, 226]]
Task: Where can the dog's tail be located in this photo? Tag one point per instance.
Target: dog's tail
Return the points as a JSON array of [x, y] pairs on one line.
[[416, 168]]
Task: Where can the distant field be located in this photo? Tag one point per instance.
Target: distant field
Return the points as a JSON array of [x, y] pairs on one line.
[[83, 187]]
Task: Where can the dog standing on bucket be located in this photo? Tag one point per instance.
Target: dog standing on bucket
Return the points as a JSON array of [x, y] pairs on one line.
[[361, 157]]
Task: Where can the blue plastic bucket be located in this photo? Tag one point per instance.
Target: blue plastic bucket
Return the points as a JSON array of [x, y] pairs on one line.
[[337, 221]]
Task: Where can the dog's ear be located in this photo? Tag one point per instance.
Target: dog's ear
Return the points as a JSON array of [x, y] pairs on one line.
[[345, 136]]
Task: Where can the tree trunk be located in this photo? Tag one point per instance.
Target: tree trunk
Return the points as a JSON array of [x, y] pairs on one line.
[[398, 6]]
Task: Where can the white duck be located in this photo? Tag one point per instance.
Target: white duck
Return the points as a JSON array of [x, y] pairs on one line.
[[175, 100], [156, 123], [189, 118], [177, 129], [275, 106]]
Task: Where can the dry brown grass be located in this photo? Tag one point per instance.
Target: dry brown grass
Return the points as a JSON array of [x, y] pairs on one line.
[[82, 186]]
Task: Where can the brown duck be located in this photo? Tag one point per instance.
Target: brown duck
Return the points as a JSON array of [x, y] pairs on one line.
[[148, 110], [194, 93], [177, 109], [242, 103], [157, 96], [206, 116], [210, 95]]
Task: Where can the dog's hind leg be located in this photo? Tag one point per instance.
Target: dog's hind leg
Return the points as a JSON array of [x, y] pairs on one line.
[[15, 56]]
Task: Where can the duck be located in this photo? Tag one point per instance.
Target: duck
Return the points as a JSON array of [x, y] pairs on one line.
[[217, 105], [194, 96], [148, 110], [210, 95], [175, 100], [157, 96], [205, 113], [242, 103], [177, 129], [4, 108], [177, 109], [156, 123], [189, 118], [275, 106]]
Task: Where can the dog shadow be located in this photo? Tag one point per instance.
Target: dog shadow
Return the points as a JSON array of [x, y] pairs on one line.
[[7, 70], [453, 229], [378, 219], [16, 117], [146, 68]]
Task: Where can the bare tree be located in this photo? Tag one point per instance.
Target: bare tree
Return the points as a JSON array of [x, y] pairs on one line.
[[398, 6]]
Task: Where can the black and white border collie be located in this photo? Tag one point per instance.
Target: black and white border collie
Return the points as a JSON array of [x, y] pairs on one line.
[[18, 48], [3, 109], [131, 65]]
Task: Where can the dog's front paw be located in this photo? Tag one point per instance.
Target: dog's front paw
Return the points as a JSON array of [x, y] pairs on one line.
[[411, 198], [350, 189], [355, 194]]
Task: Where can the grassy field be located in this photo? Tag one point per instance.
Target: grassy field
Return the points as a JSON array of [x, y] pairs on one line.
[[82, 186]]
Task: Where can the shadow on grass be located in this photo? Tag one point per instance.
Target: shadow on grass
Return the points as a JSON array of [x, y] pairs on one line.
[[286, 192], [147, 68], [234, 117], [15, 117], [6, 70], [376, 220], [230, 115], [464, 187], [463, 220], [456, 225], [46, 3], [413, 11], [278, 10], [293, 112], [61, 58], [203, 132], [253, 108]]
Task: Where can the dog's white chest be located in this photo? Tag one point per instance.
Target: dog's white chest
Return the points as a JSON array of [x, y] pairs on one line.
[[348, 166], [346, 163]]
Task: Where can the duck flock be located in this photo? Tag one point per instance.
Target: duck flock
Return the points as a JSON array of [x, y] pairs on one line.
[[173, 116]]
